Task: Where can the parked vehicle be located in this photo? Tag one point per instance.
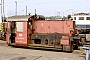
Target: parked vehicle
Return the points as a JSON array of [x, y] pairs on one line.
[[82, 26], [33, 32]]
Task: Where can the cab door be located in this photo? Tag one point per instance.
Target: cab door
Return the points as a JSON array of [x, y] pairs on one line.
[[21, 33], [7, 26]]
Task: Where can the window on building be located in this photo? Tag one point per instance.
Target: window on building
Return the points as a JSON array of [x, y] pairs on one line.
[[74, 18], [81, 18], [87, 18]]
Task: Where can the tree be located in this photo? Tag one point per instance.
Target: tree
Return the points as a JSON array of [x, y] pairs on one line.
[[54, 17]]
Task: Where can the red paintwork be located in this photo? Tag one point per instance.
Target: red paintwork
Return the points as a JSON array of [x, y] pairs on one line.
[[7, 38], [21, 37], [43, 26], [68, 25], [6, 24], [53, 26], [56, 26], [65, 40]]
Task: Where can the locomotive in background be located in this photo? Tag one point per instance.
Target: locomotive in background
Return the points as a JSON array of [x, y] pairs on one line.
[[82, 21]]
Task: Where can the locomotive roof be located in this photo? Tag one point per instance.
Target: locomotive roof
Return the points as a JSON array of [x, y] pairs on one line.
[[18, 18]]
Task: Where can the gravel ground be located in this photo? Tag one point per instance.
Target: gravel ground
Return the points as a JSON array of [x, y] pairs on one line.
[[13, 53]]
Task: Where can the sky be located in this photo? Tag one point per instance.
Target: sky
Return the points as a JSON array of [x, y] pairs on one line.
[[47, 7]]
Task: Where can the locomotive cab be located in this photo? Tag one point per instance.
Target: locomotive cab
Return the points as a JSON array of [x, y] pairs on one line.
[[18, 30]]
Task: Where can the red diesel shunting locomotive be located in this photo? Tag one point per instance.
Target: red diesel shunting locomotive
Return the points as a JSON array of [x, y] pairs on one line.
[[37, 32]]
